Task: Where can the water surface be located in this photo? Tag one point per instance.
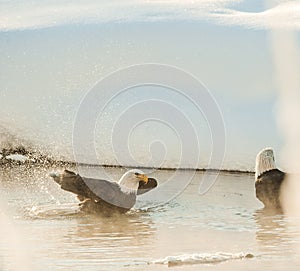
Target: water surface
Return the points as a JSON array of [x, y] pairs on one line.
[[225, 229]]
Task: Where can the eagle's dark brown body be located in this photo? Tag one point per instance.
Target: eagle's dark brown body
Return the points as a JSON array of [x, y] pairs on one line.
[[101, 196], [268, 186]]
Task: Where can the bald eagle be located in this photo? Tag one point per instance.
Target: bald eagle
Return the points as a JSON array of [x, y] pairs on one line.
[[106, 197], [268, 179]]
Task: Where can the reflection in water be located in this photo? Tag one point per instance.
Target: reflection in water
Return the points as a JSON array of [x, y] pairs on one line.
[[272, 233], [89, 242], [134, 228], [96, 240]]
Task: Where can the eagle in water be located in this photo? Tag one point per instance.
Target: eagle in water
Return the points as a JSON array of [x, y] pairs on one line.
[[103, 196], [268, 179]]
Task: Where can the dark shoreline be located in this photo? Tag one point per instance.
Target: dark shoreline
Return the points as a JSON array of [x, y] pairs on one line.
[[35, 158], [212, 170], [48, 162]]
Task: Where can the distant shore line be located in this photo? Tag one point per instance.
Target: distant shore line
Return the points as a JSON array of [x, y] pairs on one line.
[[19, 156], [212, 170]]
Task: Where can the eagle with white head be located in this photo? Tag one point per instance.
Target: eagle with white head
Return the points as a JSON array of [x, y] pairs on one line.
[[268, 179], [103, 196]]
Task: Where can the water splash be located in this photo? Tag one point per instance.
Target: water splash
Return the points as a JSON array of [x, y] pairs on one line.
[[202, 258]]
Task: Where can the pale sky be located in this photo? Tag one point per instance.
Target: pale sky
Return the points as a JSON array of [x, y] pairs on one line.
[[53, 53]]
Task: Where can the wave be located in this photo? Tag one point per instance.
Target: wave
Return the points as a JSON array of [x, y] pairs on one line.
[[202, 258]]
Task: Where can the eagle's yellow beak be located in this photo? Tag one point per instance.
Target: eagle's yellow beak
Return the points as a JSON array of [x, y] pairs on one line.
[[143, 177]]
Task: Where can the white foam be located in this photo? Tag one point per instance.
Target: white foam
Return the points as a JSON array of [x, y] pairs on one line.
[[202, 258], [17, 157]]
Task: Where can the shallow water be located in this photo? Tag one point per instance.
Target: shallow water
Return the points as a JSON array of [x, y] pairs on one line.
[[225, 229]]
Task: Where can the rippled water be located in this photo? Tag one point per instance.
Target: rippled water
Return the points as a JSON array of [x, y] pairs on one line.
[[225, 229]]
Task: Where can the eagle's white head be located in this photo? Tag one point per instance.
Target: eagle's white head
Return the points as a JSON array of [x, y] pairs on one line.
[[264, 161], [132, 178]]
